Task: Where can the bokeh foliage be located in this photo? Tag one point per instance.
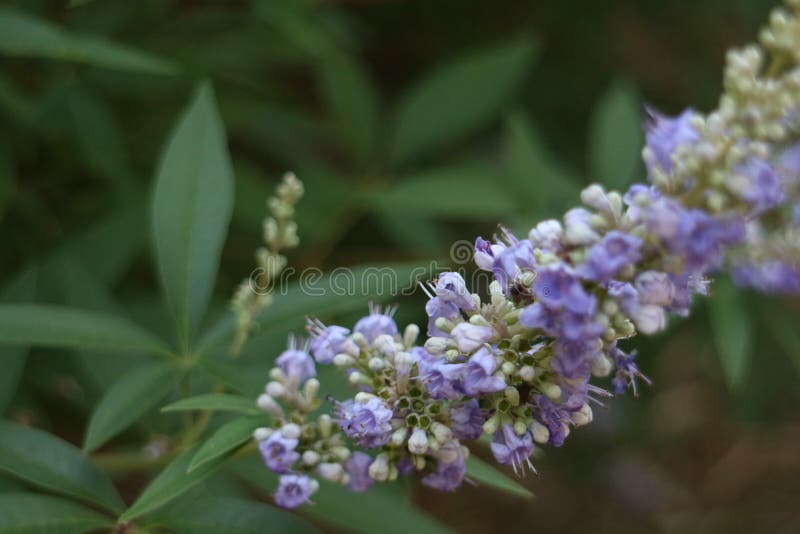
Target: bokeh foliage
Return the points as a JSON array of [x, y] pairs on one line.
[[413, 124]]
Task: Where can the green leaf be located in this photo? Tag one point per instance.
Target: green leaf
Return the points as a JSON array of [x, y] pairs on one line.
[[172, 482], [352, 100], [47, 461], [215, 402], [615, 138], [235, 516], [731, 324], [458, 99], [29, 512], [544, 187], [128, 399], [480, 471], [58, 326], [27, 36], [23, 288], [465, 191], [385, 508], [192, 206], [228, 438]]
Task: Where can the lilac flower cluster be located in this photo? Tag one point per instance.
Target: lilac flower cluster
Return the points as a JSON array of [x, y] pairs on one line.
[[525, 365]]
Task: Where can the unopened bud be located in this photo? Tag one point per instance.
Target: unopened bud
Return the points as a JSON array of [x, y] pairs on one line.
[[441, 432], [275, 389], [540, 433], [291, 431], [527, 373], [410, 335], [418, 442], [260, 434], [330, 471], [343, 360], [379, 468], [399, 436], [583, 416], [551, 391], [436, 345], [311, 458]]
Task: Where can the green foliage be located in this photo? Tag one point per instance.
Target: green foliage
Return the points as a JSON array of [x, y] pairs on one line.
[[480, 471], [125, 401], [46, 461], [215, 402], [227, 439], [192, 206], [732, 331], [28, 512]]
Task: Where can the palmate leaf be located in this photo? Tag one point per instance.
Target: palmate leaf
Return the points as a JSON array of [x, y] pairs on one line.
[[215, 402], [227, 439], [224, 514], [62, 327], [27, 36], [458, 98], [171, 483], [480, 471], [42, 514], [732, 330], [192, 206], [130, 397], [384, 508], [49, 462]]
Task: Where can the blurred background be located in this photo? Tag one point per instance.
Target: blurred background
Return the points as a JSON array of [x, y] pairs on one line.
[[413, 124]]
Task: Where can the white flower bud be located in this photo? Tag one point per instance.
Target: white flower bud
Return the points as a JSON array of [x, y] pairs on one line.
[[275, 389], [291, 430], [362, 397], [601, 366], [277, 374], [540, 432], [583, 416], [403, 362], [311, 458], [512, 395], [650, 319], [551, 391], [399, 436], [547, 234], [418, 442], [441, 432], [330, 471], [490, 426], [311, 389], [313, 485], [410, 335], [341, 453], [343, 360], [520, 427], [436, 345], [268, 404], [325, 425], [469, 336], [379, 468], [375, 364], [386, 345], [261, 433], [527, 373]]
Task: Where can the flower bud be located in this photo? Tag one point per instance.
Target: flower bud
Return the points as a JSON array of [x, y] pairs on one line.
[[490, 426], [343, 360], [527, 373], [268, 404], [291, 430], [441, 432], [583, 416], [275, 389], [512, 395], [601, 366], [375, 364], [551, 391], [379, 468], [418, 442], [341, 453], [311, 389], [399, 436], [540, 432], [410, 335], [325, 425], [261, 433], [330, 471], [311, 458], [436, 345]]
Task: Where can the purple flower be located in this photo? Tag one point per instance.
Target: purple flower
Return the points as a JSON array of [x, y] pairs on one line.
[[297, 365], [685, 287], [556, 417], [612, 253], [509, 263], [655, 287], [762, 188], [279, 452], [442, 380], [627, 371], [511, 449], [376, 324], [485, 252], [663, 136], [330, 341], [469, 336], [775, 277], [367, 423], [478, 375], [293, 490], [558, 287], [357, 467], [435, 308], [467, 420], [450, 468], [573, 357], [451, 288]]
